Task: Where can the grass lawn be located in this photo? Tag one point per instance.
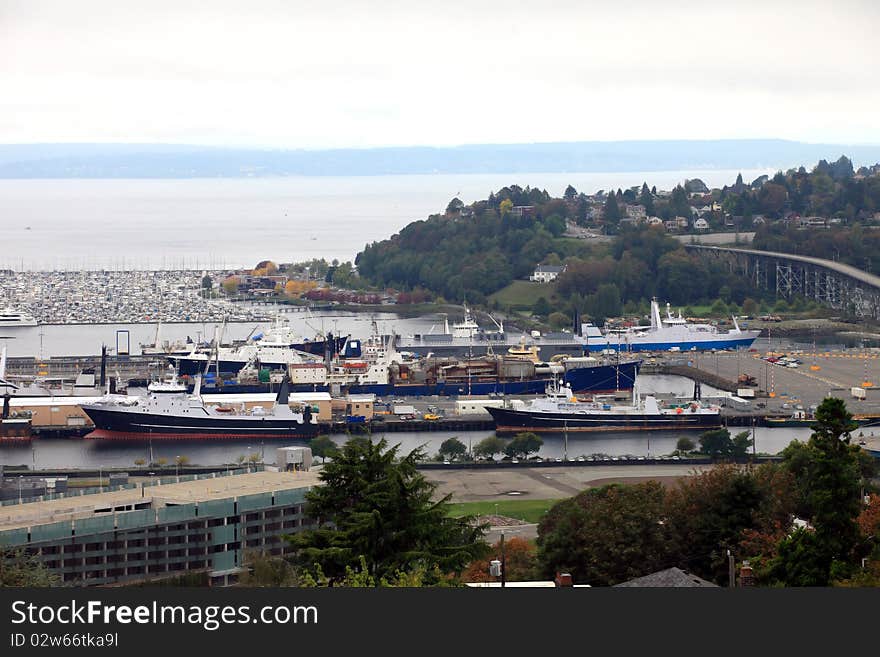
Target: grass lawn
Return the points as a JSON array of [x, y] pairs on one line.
[[527, 510], [523, 294]]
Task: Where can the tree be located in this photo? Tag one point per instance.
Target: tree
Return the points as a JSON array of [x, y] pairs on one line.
[[207, 282], [684, 444], [707, 514], [520, 562], [19, 568], [261, 569], [828, 473], [140, 462], [716, 443], [489, 447], [323, 446], [741, 444], [523, 444], [505, 207], [376, 506], [570, 193], [181, 460], [452, 448], [455, 206], [230, 286], [541, 307], [612, 210], [606, 535], [558, 320]]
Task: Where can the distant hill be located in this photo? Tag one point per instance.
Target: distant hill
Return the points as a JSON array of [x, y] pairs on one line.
[[186, 161]]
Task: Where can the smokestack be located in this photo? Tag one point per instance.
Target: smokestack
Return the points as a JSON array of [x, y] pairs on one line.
[[563, 579]]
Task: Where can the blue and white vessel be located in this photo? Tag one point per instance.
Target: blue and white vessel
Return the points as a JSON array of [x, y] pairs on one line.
[[669, 334]]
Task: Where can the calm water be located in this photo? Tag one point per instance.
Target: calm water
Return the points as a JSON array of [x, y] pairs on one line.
[[52, 453], [216, 223], [86, 339]]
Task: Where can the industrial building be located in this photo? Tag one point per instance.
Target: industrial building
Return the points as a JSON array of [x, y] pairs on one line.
[[163, 529]]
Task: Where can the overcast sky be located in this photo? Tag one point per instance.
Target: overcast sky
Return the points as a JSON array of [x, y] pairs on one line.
[[334, 73]]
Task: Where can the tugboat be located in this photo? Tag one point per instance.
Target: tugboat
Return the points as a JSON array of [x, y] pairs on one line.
[[560, 411], [169, 412]]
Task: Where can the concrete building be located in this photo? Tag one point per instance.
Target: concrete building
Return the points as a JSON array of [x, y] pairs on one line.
[[147, 532]]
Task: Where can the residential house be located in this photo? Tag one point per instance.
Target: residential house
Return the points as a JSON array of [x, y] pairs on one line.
[[522, 211], [636, 212], [701, 224], [546, 273]]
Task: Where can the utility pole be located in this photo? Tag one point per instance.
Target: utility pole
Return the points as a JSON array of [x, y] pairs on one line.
[[503, 568], [731, 574]]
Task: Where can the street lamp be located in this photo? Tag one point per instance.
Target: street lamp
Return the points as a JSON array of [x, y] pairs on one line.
[[177, 466], [19, 488]]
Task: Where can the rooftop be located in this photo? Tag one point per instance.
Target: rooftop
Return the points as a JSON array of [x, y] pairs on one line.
[[201, 490], [671, 577]]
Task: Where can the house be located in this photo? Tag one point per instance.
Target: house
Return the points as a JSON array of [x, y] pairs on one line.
[[671, 577], [655, 221], [701, 224], [522, 211], [546, 273], [680, 222], [636, 212]]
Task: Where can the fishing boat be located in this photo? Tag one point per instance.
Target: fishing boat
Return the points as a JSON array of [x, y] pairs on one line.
[[559, 410], [169, 412]]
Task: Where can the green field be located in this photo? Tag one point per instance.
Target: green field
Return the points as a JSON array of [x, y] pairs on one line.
[[523, 294], [526, 510]]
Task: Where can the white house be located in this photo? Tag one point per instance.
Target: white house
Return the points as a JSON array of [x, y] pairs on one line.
[[546, 273], [701, 224]]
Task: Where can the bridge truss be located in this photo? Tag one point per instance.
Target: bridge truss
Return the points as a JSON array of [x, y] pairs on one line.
[[830, 283]]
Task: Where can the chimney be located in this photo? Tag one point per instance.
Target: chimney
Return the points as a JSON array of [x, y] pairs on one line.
[[563, 579], [746, 578]]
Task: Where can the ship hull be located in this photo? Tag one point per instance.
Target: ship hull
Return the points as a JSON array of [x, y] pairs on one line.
[[15, 432], [513, 421], [113, 424], [686, 345]]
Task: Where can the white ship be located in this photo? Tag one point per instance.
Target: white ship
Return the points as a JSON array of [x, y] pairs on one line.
[[669, 334]]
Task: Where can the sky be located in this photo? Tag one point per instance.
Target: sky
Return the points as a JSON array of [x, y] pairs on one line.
[[351, 73]]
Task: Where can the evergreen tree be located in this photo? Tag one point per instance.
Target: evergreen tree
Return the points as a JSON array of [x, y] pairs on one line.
[[612, 210], [828, 473], [376, 506]]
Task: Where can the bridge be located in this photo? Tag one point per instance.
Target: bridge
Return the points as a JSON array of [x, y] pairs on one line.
[[831, 283]]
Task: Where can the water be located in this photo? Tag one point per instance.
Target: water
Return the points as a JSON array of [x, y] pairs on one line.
[[86, 339], [80, 453], [220, 223]]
